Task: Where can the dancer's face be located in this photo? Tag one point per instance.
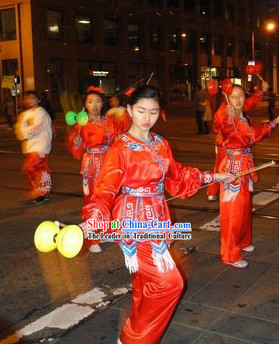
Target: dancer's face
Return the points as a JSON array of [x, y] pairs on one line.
[[237, 99], [114, 102], [30, 101], [94, 104], [144, 113]]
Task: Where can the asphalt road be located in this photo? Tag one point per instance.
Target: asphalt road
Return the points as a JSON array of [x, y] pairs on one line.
[[34, 284]]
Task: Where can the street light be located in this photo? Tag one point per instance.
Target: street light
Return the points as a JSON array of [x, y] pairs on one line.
[[269, 26]]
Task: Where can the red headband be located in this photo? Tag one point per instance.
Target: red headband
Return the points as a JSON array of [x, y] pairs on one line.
[[95, 89]]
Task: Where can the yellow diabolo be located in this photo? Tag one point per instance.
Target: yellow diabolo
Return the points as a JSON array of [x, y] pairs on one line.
[[68, 240]]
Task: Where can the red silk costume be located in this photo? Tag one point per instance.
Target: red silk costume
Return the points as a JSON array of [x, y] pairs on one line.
[[97, 135], [37, 173], [250, 103], [235, 198], [142, 170]]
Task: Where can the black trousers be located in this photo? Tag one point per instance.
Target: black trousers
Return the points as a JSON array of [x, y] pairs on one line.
[[201, 124]]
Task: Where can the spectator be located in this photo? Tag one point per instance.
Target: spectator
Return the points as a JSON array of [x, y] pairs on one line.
[[46, 104], [271, 99], [8, 109], [199, 106]]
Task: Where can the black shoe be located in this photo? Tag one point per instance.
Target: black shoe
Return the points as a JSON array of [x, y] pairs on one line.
[[41, 199]]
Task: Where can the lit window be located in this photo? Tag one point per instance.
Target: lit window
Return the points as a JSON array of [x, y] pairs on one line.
[[205, 44], [175, 40], [134, 36], [83, 28], [154, 37], [54, 24]]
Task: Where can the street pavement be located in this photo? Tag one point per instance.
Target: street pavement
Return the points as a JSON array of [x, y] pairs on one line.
[[45, 298]]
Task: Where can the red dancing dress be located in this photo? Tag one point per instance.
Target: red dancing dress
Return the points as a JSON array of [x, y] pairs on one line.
[[142, 170], [97, 135], [235, 198], [250, 103]]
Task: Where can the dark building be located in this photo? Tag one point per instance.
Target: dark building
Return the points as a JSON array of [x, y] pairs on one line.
[[65, 46]]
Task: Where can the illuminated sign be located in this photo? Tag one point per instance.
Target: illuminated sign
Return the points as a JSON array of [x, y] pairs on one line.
[[8, 81], [99, 73]]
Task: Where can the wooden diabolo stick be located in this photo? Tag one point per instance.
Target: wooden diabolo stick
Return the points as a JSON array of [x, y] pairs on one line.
[[258, 75], [257, 168]]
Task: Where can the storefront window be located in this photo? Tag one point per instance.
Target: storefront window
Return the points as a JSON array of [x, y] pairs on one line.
[[55, 24], [83, 27], [208, 73], [138, 71], [97, 74], [7, 25]]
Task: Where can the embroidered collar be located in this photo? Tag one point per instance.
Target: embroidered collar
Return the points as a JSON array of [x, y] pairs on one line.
[[95, 120], [155, 139]]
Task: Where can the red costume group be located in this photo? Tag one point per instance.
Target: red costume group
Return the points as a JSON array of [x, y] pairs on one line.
[[125, 177]]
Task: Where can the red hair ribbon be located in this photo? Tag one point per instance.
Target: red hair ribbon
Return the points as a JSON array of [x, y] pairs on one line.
[[95, 89], [130, 91], [163, 114]]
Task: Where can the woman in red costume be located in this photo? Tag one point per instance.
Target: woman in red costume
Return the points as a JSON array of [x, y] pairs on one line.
[[90, 143], [238, 135], [140, 164], [250, 104]]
